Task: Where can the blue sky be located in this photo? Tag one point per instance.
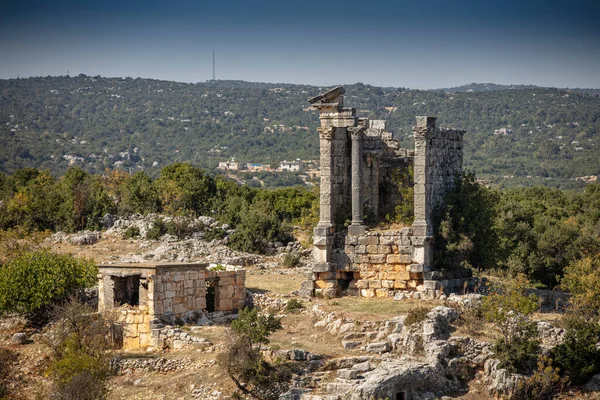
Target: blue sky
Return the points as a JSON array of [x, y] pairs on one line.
[[417, 44]]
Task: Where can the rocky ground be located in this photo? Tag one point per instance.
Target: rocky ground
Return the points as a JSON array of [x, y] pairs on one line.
[[348, 348]]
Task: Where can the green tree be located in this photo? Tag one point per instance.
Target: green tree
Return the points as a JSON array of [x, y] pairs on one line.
[[185, 189], [139, 195], [466, 237], [34, 281], [508, 307]]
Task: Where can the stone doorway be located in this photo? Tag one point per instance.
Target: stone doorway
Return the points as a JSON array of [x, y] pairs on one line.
[[212, 294]]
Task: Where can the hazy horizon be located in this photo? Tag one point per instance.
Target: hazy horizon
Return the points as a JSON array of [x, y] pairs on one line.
[[431, 45]]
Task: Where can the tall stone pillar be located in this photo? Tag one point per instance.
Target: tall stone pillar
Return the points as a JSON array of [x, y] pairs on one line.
[[422, 225], [327, 209], [357, 227]]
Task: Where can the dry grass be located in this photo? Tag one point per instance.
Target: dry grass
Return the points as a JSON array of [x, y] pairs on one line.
[[373, 309], [273, 283], [299, 332]]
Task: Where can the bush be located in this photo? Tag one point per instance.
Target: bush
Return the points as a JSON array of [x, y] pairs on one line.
[[257, 327], [243, 361], [294, 306], [259, 227], [7, 360], [416, 315], [131, 232], [466, 238], [214, 234], [508, 307], [577, 356], [80, 345], [544, 384], [158, 229], [291, 260], [32, 282]]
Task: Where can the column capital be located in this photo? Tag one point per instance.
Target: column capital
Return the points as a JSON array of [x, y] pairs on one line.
[[356, 132], [325, 133]]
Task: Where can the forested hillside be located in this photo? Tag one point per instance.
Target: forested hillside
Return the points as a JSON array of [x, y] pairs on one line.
[[514, 136]]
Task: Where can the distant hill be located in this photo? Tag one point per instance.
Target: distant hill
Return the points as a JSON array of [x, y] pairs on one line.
[[485, 87], [489, 87], [515, 135]]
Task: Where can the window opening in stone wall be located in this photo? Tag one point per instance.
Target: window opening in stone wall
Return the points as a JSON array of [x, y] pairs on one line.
[[400, 396], [127, 290], [212, 287]]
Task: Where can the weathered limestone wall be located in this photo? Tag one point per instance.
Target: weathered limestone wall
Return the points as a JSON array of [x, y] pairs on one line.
[[374, 264], [438, 160], [177, 291], [136, 327]]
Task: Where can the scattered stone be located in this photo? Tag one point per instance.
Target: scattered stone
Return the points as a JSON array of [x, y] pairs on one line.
[[19, 338], [378, 347]]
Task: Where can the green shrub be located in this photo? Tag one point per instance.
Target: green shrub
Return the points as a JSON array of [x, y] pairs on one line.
[[577, 356], [132, 232], [80, 344], [257, 327], [180, 227], [291, 260], [214, 234], [466, 238], [508, 307], [243, 361], [218, 267], [33, 281], [294, 306], [258, 228], [519, 354], [416, 315], [544, 384], [158, 229]]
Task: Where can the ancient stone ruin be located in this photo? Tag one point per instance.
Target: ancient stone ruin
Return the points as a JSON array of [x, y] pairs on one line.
[[146, 297], [358, 160]]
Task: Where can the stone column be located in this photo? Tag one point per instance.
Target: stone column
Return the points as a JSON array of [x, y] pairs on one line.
[[357, 227], [422, 226], [422, 190], [326, 213]]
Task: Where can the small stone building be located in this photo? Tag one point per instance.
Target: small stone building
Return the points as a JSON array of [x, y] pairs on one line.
[[358, 159], [144, 297]]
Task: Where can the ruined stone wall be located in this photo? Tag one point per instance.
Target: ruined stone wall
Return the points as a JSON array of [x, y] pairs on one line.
[[382, 156], [358, 161], [182, 291], [136, 327], [438, 160], [374, 264]]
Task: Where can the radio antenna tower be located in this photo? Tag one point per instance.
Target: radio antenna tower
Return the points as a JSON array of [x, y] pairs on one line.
[[214, 75]]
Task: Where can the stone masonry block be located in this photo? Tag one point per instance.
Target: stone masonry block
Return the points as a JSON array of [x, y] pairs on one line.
[[323, 267], [368, 240], [325, 284], [377, 259], [372, 249]]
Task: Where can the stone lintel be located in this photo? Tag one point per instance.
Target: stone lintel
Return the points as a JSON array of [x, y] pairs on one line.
[[357, 230], [323, 267], [328, 96]]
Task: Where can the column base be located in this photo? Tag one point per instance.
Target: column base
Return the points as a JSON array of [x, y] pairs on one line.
[[356, 230]]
